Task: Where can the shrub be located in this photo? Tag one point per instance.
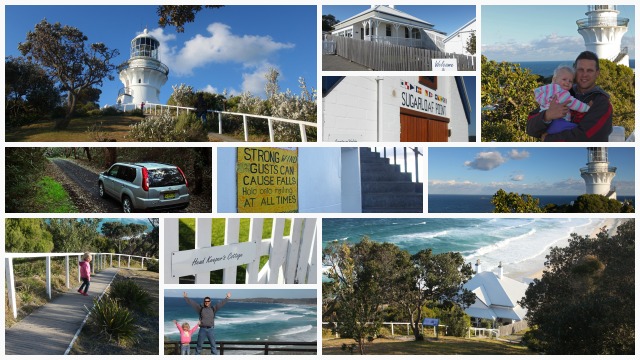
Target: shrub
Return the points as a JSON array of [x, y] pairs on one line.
[[113, 321], [131, 295], [94, 112], [153, 265], [59, 112], [165, 127], [111, 111], [136, 112]]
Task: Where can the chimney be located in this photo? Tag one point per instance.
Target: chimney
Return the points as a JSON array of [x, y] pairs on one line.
[[478, 269], [500, 270]]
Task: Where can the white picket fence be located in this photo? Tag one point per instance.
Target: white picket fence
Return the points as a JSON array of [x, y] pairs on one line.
[[100, 261], [292, 257]]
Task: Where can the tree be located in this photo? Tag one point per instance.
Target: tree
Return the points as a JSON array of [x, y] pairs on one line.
[[179, 15], [183, 95], [328, 21], [362, 280], [507, 99], [27, 235], [24, 167], [619, 82], [118, 232], [62, 51], [585, 301], [594, 203], [471, 44], [515, 203], [29, 91], [439, 280], [74, 235]]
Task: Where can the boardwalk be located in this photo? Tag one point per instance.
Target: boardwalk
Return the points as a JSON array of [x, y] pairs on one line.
[[50, 329]]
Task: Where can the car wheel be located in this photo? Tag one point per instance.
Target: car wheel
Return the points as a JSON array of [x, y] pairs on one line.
[[127, 205], [101, 190]]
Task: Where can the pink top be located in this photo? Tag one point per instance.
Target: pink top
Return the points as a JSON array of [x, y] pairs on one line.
[[185, 336], [545, 93], [85, 270]]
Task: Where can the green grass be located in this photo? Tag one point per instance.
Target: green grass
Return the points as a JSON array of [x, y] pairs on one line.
[[446, 345], [187, 231], [51, 197]]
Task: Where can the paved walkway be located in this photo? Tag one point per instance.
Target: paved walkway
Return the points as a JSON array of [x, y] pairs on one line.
[[50, 329], [338, 63]]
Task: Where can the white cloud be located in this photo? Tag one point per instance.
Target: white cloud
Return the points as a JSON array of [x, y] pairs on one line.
[[517, 177], [220, 45], [210, 89], [550, 47], [486, 161], [255, 81], [515, 155]]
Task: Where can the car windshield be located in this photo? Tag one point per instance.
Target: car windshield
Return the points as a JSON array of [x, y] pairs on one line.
[[165, 177]]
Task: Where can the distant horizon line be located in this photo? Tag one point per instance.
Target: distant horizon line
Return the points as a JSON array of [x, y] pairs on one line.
[[519, 193]]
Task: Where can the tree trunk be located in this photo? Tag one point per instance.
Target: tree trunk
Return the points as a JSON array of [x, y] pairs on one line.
[[203, 157], [88, 152], [110, 156], [62, 124]]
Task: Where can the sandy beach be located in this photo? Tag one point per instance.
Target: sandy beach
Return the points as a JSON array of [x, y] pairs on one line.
[[533, 268]]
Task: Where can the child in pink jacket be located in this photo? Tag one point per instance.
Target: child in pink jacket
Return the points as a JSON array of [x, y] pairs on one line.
[[85, 273], [185, 336], [558, 91]]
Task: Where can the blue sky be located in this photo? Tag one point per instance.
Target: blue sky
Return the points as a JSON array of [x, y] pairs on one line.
[[539, 33], [444, 17], [198, 294], [534, 171], [244, 42]]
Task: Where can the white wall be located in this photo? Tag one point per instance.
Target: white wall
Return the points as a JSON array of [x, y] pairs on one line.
[[458, 43], [351, 112], [320, 180]]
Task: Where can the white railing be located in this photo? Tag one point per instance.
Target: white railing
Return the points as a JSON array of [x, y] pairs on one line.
[[155, 109], [98, 262], [408, 327], [484, 332], [292, 257], [417, 153]]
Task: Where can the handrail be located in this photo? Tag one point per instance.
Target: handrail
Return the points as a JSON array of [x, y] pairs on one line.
[[263, 346], [416, 152], [148, 107], [100, 261]]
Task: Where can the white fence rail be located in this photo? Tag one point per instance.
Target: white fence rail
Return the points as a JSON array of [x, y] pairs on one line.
[[155, 109], [292, 256], [99, 261]]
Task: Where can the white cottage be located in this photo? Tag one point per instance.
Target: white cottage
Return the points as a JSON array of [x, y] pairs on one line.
[[395, 108], [385, 23], [497, 297], [457, 42]]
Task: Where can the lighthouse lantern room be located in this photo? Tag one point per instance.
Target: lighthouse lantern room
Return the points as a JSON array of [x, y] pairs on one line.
[[143, 74]]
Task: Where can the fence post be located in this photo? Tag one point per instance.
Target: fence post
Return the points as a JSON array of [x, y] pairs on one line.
[[142, 263], [255, 236], [78, 268], [119, 256], [231, 236], [48, 266], [307, 244], [271, 134], [203, 240], [277, 251], [246, 128], [220, 123], [66, 270], [303, 133], [171, 238], [11, 285], [110, 260], [129, 262], [415, 153]]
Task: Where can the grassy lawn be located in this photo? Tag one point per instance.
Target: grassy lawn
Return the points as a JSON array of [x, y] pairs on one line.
[[446, 345], [51, 197], [109, 128], [187, 237]]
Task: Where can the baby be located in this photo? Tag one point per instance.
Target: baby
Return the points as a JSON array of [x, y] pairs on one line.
[[561, 83]]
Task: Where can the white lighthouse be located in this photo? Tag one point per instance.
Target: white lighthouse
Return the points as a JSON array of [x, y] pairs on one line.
[[143, 74], [598, 174], [602, 32]]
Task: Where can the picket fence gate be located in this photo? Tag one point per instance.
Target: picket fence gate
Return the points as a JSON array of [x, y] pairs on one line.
[[292, 257]]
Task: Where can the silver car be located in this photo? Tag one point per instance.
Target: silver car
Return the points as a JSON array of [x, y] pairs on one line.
[[145, 186]]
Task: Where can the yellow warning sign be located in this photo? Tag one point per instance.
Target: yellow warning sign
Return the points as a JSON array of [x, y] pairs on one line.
[[267, 180]]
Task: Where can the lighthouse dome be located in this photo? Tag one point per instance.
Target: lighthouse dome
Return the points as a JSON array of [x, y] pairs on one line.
[[145, 45]]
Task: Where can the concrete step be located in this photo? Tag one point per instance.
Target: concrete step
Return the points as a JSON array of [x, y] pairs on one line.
[[392, 200], [367, 176], [371, 187], [378, 167]]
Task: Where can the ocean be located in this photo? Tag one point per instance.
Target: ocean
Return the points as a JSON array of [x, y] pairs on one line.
[[440, 203], [518, 243], [243, 321], [545, 68]]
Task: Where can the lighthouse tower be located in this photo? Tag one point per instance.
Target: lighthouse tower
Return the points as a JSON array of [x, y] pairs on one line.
[[598, 174], [143, 74], [602, 32]]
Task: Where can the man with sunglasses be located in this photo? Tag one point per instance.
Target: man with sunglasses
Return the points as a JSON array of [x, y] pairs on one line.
[[207, 314]]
